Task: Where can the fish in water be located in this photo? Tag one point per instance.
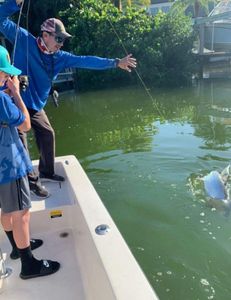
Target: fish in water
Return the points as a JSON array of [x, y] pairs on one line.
[[217, 188]]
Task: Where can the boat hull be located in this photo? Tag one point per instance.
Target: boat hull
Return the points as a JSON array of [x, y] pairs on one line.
[[92, 266]]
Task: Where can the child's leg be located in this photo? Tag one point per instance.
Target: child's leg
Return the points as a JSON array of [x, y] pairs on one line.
[[6, 219], [18, 221], [18, 224], [15, 198], [20, 227]]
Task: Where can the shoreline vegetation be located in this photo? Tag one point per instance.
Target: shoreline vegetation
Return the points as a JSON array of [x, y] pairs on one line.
[[162, 44]]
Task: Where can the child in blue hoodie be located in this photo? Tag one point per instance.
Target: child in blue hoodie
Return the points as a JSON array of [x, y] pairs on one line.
[[14, 167]]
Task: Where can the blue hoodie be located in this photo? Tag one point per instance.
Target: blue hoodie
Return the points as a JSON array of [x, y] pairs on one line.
[[14, 159], [32, 62]]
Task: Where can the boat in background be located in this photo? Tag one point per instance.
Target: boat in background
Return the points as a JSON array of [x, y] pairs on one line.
[[77, 230], [218, 33]]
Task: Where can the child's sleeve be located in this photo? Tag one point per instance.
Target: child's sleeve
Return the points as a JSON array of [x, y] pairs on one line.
[[10, 114]]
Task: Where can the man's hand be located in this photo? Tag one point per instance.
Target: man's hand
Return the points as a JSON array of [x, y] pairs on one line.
[[19, 2], [127, 63]]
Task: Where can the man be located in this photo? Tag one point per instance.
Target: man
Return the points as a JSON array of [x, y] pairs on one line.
[[45, 60], [14, 167]]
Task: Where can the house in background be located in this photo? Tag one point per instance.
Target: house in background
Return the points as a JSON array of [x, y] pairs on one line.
[[158, 5], [165, 6], [216, 35]]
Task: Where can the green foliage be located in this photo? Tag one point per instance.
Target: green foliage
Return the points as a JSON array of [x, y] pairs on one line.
[[175, 41], [161, 44], [196, 4]]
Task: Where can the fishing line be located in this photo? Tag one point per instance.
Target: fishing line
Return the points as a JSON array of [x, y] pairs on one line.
[[136, 71], [213, 120], [17, 31], [27, 42]]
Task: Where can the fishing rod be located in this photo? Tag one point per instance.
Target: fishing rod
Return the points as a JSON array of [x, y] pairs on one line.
[[27, 43], [17, 31], [136, 71], [23, 79]]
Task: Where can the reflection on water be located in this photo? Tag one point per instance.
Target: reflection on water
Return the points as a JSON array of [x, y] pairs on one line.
[[146, 166]]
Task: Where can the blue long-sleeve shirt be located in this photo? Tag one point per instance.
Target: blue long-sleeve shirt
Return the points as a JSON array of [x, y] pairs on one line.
[[14, 160], [40, 67]]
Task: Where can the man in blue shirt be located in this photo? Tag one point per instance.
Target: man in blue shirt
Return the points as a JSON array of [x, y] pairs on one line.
[[14, 167], [42, 64]]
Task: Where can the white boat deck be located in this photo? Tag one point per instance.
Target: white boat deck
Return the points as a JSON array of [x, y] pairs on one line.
[[65, 284], [94, 267]]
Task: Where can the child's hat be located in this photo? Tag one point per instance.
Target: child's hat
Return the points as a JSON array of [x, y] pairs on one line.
[[5, 64]]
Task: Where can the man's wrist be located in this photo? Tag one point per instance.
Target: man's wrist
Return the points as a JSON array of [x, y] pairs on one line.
[[117, 61]]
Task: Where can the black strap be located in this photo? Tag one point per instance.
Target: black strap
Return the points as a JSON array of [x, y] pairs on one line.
[[50, 73], [54, 94]]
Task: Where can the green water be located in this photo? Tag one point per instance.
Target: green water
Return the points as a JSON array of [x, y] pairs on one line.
[[145, 158]]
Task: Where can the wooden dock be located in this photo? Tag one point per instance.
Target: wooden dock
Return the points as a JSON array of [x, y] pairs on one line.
[[215, 64], [65, 80]]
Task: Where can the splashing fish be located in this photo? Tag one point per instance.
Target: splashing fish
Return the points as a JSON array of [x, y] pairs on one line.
[[217, 187]]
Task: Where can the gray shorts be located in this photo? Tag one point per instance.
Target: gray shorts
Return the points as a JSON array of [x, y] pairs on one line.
[[15, 195]]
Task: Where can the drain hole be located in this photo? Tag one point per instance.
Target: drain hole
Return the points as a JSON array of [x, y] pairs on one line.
[[64, 234]]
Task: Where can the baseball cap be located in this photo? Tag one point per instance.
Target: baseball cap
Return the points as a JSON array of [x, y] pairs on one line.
[[56, 26], [5, 65]]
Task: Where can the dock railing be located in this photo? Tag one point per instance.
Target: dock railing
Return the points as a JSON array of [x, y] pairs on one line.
[[66, 76]]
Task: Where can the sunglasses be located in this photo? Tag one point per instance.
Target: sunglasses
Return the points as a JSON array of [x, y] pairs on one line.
[[57, 38]]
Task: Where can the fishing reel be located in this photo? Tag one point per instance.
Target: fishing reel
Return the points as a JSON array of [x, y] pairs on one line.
[[23, 82]]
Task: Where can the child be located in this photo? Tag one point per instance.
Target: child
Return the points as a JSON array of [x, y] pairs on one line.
[[14, 167]]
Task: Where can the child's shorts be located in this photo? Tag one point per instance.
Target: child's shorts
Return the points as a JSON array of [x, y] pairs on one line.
[[15, 195]]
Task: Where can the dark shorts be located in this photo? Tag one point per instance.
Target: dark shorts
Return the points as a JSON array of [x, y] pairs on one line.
[[15, 195]]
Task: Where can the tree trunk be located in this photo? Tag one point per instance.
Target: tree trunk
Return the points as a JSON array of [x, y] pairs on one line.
[[118, 4], [196, 8]]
